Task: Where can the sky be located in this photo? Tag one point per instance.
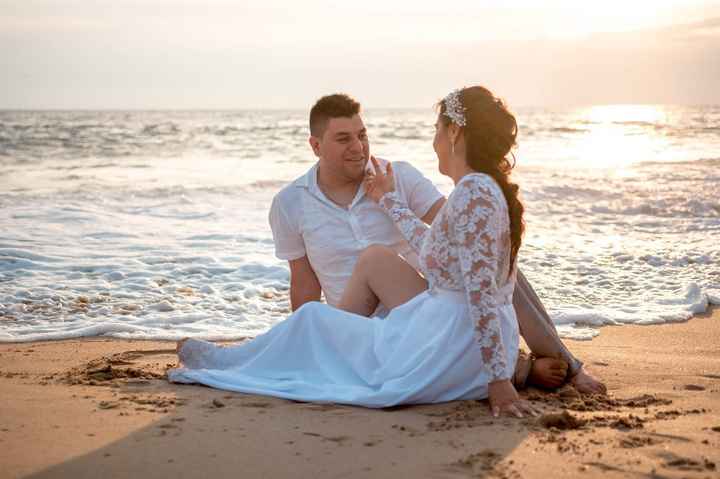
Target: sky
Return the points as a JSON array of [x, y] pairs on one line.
[[211, 54]]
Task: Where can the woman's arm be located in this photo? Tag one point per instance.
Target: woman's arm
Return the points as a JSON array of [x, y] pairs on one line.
[[411, 227], [474, 210]]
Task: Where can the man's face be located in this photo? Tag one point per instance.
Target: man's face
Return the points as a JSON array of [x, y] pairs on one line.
[[343, 149]]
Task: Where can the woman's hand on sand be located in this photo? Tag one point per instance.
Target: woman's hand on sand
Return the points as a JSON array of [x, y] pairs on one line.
[[504, 399], [377, 182]]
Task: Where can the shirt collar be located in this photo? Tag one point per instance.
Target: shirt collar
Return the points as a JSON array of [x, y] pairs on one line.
[[309, 182], [309, 179]]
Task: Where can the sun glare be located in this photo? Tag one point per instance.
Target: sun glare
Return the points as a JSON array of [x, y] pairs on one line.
[[625, 114], [620, 135]]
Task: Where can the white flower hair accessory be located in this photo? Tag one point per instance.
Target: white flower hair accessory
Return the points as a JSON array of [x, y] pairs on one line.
[[454, 108]]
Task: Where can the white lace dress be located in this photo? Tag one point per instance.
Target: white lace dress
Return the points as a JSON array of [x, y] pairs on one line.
[[447, 343]]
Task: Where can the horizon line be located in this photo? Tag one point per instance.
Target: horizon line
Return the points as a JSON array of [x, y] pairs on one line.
[[209, 109]]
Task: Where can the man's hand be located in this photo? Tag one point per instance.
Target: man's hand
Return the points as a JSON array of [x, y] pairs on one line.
[[378, 183], [504, 399], [548, 373]]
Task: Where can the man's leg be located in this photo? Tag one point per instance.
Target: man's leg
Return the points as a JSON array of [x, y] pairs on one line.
[[540, 334], [537, 328]]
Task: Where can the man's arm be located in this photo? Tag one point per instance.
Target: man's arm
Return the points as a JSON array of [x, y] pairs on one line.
[[304, 284], [433, 211]]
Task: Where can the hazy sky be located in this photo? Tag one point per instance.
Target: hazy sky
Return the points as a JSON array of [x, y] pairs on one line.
[[286, 53]]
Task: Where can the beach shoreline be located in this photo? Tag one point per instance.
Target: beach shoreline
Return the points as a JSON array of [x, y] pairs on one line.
[[74, 408]]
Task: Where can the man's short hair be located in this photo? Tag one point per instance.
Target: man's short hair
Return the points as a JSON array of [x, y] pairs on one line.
[[338, 105]]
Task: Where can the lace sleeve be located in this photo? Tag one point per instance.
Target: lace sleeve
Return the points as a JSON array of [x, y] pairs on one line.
[[475, 213], [411, 227]]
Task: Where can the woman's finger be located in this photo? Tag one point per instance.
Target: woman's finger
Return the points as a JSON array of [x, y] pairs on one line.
[[376, 166], [524, 408], [512, 409], [530, 409]]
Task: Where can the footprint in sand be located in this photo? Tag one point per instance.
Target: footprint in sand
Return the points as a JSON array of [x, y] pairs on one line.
[[323, 407], [336, 439], [673, 461], [256, 404], [126, 367], [634, 441]]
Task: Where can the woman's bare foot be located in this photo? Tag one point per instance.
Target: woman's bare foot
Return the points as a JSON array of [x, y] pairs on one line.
[[548, 373], [586, 383], [179, 345], [195, 353]]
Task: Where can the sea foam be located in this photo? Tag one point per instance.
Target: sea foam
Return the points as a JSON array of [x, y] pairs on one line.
[[153, 225]]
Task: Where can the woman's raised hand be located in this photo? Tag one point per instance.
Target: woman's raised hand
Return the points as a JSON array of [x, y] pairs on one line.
[[504, 399], [377, 182]]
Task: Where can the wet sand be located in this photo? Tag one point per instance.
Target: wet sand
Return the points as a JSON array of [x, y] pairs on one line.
[[100, 407]]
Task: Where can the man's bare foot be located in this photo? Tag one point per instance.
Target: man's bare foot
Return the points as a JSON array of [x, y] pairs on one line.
[[586, 383], [548, 373]]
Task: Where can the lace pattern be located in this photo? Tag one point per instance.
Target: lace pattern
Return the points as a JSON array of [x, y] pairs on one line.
[[467, 248], [412, 227]]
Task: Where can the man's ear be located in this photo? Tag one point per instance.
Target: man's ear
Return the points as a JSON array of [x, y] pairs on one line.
[[315, 145]]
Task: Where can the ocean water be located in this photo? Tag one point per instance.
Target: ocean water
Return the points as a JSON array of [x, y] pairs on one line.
[[153, 225]]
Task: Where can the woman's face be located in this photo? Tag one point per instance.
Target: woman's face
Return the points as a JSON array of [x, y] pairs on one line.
[[441, 145]]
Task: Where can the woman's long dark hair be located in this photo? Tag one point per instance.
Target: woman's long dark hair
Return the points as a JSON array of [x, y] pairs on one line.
[[490, 133]]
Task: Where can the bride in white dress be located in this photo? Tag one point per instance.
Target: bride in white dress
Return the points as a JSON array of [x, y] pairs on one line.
[[450, 333]]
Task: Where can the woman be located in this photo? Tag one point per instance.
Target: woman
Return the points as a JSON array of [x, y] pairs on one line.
[[451, 334]]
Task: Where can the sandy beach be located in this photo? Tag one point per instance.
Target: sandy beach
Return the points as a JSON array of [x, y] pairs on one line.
[[85, 408], [184, 169]]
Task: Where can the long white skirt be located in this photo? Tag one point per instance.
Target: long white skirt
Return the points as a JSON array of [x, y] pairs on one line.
[[424, 351]]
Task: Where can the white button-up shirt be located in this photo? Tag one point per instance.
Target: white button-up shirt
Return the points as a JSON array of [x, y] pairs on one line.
[[305, 222]]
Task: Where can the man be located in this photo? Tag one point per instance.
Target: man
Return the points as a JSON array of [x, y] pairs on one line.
[[322, 221]]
